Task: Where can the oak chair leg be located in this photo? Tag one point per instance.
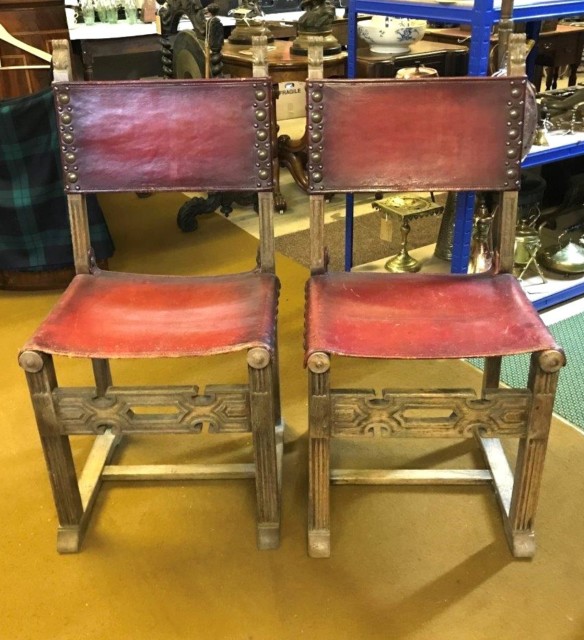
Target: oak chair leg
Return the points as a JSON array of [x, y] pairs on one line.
[[492, 373], [319, 417], [42, 380], [543, 379], [263, 414]]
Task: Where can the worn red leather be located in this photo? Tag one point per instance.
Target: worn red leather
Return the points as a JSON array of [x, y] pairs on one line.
[[141, 136], [118, 315], [450, 134], [382, 315]]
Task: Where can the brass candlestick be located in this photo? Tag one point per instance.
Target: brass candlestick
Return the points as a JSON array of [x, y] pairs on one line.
[[404, 209]]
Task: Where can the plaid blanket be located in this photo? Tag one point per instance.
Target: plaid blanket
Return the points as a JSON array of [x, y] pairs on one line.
[[34, 223]]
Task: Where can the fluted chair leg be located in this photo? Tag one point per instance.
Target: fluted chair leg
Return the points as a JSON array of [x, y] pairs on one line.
[[319, 419], [263, 416], [543, 379], [42, 380]]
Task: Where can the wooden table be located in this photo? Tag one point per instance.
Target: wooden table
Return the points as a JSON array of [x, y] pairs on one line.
[[447, 59], [554, 49], [283, 66]]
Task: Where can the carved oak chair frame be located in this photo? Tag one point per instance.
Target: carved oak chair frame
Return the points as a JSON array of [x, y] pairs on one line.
[[363, 139], [144, 137]]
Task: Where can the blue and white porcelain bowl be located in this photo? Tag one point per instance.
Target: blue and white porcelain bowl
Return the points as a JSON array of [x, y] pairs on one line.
[[386, 34]]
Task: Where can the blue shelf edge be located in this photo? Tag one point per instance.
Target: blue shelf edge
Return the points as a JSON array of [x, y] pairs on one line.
[[468, 14], [560, 296], [553, 154]]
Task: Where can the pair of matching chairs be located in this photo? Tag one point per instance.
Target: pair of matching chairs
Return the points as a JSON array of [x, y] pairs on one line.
[[220, 135]]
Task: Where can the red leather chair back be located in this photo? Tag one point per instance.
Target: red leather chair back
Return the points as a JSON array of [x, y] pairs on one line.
[[455, 134], [109, 142]]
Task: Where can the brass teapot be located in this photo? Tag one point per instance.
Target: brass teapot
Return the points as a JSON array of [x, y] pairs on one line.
[[566, 256]]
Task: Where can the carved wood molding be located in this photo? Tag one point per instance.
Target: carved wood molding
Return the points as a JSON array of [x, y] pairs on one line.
[[456, 413], [223, 408]]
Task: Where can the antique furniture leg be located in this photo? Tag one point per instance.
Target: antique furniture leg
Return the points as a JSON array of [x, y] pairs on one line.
[[42, 381], [492, 373], [292, 155], [543, 379], [267, 469], [319, 416]]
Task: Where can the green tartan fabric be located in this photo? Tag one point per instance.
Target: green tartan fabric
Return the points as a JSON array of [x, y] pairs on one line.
[[34, 222]]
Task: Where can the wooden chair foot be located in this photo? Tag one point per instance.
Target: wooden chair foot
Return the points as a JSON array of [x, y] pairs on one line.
[[522, 544], [268, 536], [69, 539], [319, 543]]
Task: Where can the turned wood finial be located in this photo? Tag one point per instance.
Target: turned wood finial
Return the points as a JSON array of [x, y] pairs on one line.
[[319, 362], [258, 358], [259, 49], [517, 54], [315, 57], [552, 360], [30, 361], [61, 60]]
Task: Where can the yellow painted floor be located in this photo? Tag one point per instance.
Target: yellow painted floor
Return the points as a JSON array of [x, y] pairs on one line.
[[179, 560]]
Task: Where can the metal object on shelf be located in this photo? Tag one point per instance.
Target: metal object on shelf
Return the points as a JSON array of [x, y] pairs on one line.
[[405, 208], [527, 245], [317, 20], [481, 250], [541, 139], [419, 71], [249, 22], [566, 256], [445, 242]]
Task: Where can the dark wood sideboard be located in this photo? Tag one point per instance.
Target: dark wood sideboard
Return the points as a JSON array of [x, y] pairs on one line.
[[35, 22]]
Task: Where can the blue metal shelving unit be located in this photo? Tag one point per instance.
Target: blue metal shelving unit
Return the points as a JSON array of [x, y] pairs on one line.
[[481, 16]]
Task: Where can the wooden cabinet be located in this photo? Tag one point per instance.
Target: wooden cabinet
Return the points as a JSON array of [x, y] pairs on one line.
[[35, 22]]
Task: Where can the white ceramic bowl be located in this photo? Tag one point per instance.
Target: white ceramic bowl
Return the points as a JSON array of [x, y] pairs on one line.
[[386, 34]]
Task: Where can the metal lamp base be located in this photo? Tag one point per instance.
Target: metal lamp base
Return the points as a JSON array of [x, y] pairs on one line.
[[403, 263]]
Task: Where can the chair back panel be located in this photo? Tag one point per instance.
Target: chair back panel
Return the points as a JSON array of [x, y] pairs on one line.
[[166, 135], [457, 134]]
